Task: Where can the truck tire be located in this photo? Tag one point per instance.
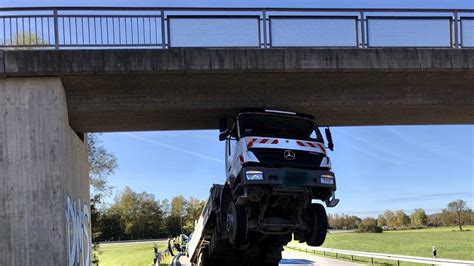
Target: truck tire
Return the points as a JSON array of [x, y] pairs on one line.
[[236, 224], [318, 225], [203, 258], [225, 200]]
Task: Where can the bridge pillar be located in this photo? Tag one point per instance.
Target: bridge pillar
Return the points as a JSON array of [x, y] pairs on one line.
[[44, 186]]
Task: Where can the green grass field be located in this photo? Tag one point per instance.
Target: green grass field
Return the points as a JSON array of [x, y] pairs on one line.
[[133, 254], [450, 242]]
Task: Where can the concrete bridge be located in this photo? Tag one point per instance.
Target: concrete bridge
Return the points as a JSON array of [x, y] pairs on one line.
[[50, 99], [126, 90]]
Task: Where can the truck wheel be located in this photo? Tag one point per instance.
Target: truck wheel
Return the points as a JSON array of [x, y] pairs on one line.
[[318, 225], [202, 259], [236, 224]]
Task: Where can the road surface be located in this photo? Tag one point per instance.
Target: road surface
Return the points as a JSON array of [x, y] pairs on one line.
[[289, 258]]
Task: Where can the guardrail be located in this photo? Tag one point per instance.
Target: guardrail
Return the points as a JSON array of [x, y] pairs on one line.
[[159, 255], [167, 27], [372, 256]]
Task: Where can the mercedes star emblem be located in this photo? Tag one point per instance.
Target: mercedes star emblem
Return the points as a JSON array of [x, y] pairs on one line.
[[289, 155]]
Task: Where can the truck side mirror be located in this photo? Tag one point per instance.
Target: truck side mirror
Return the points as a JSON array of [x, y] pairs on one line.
[[223, 130], [222, 124], [223, 135], [329, 138]]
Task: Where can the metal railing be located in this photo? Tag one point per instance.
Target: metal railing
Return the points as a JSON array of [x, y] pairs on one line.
[[159, 256], [372, 256], [129, 27]]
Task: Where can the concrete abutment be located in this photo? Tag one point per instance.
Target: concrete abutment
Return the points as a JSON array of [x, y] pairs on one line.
[[44, 185]]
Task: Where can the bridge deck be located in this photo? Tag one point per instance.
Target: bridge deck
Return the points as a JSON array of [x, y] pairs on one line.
[[190, 88]]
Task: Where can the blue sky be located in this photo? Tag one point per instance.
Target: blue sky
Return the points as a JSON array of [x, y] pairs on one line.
[[377, 168]]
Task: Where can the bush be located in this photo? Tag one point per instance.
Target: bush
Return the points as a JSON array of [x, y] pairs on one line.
[[369, 228]]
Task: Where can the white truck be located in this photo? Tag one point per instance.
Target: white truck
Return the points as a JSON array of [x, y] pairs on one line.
[[276, 167]]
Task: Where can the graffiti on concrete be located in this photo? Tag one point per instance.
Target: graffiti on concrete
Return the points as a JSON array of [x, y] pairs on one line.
[[78, 228]]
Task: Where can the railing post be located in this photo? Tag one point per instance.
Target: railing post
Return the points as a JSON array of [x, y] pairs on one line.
[[56, 29], [398, 263], [264, 25], [163, 35], [371, 261], [456, 29], [362, 29]]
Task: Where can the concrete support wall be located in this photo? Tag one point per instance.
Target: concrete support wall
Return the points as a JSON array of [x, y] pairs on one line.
[[44, 186]]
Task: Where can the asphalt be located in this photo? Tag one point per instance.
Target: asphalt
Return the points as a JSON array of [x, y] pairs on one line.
[[300, 258], [289, 258]]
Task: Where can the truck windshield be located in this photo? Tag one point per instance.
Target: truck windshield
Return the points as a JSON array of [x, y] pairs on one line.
[[278, 126]]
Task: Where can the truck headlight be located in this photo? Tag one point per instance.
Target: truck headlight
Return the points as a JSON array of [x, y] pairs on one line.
[[254, 175], [327, 179]]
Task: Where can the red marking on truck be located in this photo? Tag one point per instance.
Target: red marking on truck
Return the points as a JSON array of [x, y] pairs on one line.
[[250, 144], [263, 141], [321, 146], [311, 144], [275, 141]]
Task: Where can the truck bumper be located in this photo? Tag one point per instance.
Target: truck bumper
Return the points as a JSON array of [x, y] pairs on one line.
[[290, 177]]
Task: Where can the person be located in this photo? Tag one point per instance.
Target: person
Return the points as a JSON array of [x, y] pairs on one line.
[[183, 241], [170, 247], [177, 244]]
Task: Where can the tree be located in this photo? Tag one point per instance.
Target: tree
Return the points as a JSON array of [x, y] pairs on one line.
[[381, 221], [343, 221], [193, 211], [110, 226], [402, 219], [25, 38], [178, 205], [178, 211], [434, 219], [102, 164], [354, 222], [447, 217], [419, 218], [369, 225], [140, 214], [459, 211], [390, 218], [166, 207], [368, 221]]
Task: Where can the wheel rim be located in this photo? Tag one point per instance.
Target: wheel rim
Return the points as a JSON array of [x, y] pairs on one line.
[[229, 222]]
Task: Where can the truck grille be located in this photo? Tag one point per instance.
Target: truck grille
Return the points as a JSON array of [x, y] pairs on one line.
[[274, 157]]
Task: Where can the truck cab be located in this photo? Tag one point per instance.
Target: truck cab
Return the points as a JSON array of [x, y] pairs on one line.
[[277, 164]]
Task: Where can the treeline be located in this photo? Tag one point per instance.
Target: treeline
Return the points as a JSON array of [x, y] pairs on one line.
[[140, 216], [456, 213]]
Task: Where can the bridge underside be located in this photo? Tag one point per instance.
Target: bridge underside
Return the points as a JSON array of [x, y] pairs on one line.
[[127, 90]]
